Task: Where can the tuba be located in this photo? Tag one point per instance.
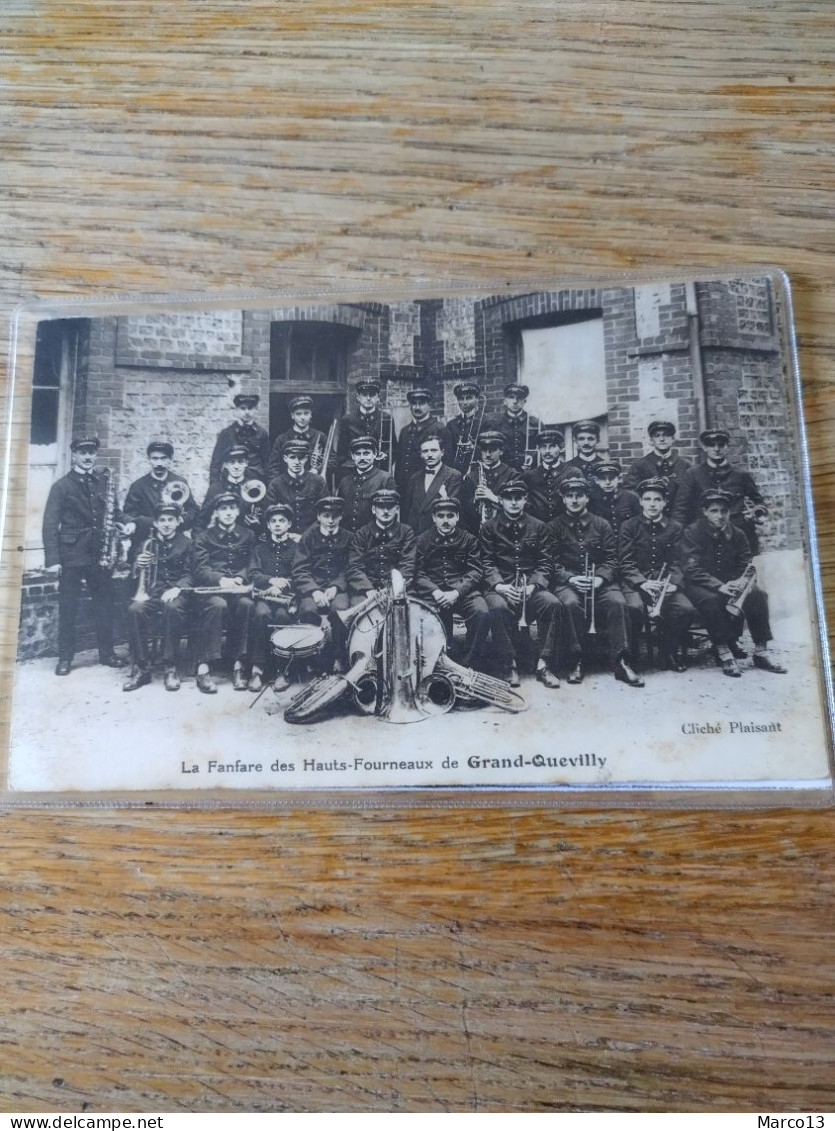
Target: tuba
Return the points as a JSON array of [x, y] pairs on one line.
[[252, 492], [175, 493]]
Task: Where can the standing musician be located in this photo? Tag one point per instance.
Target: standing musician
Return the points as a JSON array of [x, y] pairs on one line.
[[517, 571], [407, 449], [369, 419], [380, 546], [222, 555], [163, 567], [650, 552], [748, 509], [660, 462], [74, 537], [464, 428], [717, 564], [489, 473], [296, 486], [584, 551], [449, 576], [319, 572], [271, 569], [435, 479], [301, 414], [608, 499], [543, 482], [586, 435], [518, 428], [235, 474], [364, 478], [145, 494], [245, 433]]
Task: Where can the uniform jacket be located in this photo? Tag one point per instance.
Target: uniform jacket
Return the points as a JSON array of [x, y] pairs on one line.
[[495, 478], [584, 467], [374, 553], [272, 559], [312, 437], [510, 546], [616, 507], [321, 561], [460, 429], [571, 538], [357, 490], [417, 502], [448, 562], [407, 450], [73, 520], [544, 499], [645, 548], [175, 563], [517, 431], [379, 425], [672, 468], [253, 438], [145, 494], [219, 553], [696, 480], [301, 494], [222, 484], [711, 557]]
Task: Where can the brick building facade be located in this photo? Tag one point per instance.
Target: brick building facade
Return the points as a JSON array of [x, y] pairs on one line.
[[703, 354]]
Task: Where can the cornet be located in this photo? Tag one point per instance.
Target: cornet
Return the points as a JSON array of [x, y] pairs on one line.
[[588, 596]]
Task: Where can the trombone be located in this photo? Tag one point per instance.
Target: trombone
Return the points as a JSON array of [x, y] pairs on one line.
[[385, 441]]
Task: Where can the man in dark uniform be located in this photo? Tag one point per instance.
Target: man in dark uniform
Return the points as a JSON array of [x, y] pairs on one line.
[[74, 539], [517, 572], [585, 562], [464, 428], [296, 486], [301, 414], [717, 564], [649, 550], [235, 474], [369, 419], [222, 556], [319, 574], [435, 479], [407, 449], [364, 478], [660, 463], [586, 435], [244, 432], [748, 509], [271, 571], [163, 568], [518, 428], [482, 487], [449, 577], [543, 482], [608, 499], [379, 547], [145, 494]]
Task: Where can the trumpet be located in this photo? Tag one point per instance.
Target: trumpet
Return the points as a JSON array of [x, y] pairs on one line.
[[147, 574], [588, 596], [665, 577], [748, 579], [176, 493], [521, 582], [252, 492]]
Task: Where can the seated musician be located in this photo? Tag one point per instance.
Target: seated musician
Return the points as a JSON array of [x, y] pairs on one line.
[[449, 577], [435, 479], [717, 473], [319, 573], [482, 486], [650, 570], [146, 493], [296, 486], [720, 580], [271, 571], [380, 546], [584, 554], [301, 414], [544, 498], [516, 573], [364, 478], [236, 473], [163, 568], [222, 556]]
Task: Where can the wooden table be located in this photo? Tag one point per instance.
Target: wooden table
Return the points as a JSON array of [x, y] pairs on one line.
[[421, 961]]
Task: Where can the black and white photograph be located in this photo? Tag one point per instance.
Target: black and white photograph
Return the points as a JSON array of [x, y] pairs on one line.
[[550, 539]]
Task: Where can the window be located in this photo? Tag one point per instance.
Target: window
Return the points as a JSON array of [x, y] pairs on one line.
[[309, 354]]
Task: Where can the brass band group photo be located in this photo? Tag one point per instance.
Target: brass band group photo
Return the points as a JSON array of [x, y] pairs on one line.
[[479, 524]]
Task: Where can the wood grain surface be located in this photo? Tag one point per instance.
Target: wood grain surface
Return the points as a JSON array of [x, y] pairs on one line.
[[419, 961]]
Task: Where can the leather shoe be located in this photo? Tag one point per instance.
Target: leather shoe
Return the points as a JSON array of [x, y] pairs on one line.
[[576, 674], [514, 680], [239, 682], [206, 684], [546, 676], [256, 682], [113, 661], [137, 678], [738, 652], [280, 683], [766, 664], [63, 667], [673, 663], [172, 680], [729, 668], [624, 674]]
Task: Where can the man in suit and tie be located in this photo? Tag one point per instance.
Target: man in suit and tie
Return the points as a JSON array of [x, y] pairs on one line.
[[437, 480]]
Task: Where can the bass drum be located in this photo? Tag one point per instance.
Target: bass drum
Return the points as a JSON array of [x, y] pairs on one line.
[[297, 641]]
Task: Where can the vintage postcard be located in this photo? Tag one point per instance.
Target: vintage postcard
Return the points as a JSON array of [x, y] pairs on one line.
[[553, 539]]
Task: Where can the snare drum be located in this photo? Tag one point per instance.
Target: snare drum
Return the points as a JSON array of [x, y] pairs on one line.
[[297, 641]]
